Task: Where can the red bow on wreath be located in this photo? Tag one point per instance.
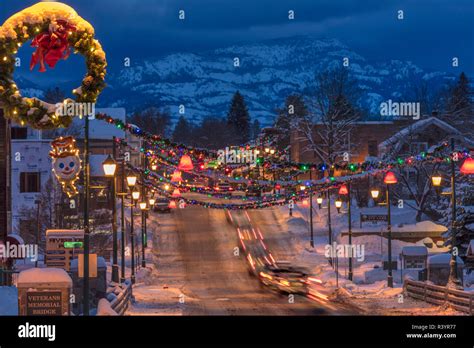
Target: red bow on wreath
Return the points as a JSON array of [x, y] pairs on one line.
[[52, 45]]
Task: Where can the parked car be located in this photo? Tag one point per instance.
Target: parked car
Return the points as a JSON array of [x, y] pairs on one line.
[[162, 205]]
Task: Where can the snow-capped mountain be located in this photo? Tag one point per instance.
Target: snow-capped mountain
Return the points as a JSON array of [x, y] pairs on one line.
[[268, 72]]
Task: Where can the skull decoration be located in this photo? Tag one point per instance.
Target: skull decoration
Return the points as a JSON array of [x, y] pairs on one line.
[[66, 163]]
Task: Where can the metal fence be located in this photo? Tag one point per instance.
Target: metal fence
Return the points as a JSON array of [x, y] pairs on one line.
[[119, 302], [458, 299]]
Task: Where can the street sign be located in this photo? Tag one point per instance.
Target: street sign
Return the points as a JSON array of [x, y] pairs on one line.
[[374, 218], [72, 245], [43, 303], [291, 204]]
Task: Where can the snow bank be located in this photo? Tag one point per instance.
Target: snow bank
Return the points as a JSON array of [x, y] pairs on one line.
[[44, 275], [105, 309]]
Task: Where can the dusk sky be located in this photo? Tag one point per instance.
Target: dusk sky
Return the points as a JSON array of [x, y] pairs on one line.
[[432, 32]]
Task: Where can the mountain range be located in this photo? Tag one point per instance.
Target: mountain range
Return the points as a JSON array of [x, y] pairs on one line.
[[268, 72]]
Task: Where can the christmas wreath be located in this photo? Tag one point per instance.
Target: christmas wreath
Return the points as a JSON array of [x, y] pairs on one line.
[[55, 30]]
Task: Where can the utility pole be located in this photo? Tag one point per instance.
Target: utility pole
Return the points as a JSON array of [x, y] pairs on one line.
[[311, 206], [115, 270], [453, 281], [349, 227]]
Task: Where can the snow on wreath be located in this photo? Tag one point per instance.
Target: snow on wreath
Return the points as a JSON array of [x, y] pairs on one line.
[[55, 30]]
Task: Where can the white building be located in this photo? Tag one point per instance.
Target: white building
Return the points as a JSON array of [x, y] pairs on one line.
[[31, 165]]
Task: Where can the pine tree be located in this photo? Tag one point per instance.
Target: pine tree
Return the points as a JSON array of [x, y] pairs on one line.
[[459, 107], [238, 119], [182, 131], [54, 96]]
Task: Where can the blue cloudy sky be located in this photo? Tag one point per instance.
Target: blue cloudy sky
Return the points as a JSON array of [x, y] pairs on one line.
[[432, 32]]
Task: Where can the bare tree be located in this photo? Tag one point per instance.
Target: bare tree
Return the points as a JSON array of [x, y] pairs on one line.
[[326, 128]]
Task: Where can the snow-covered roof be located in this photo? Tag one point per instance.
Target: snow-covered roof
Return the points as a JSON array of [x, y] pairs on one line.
[[44, 275], [418, 127], [102, 130], [79, 233], [443, 259], [415, 251]]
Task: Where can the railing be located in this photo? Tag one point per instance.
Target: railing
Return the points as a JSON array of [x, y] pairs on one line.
[[119, 302], [458, 299]]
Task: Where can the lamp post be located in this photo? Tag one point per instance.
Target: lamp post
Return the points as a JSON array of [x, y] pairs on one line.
[[311, 206], [468, 169], [338, 204], [375, 194], [85, 294], [122, 220], [390, 179], [131, 181], [38, 225], [143, 208], [346, 190], [110, 166], [319, 200]]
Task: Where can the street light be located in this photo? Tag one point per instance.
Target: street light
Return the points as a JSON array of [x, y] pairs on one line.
[[152, 202], [153, 167], [374, 193], [267, 150], [142, 205], [436, 180], [131, 180], [390, 179], [272, 151], [338, 204], [135, 195], [319, 200], [110, 166]]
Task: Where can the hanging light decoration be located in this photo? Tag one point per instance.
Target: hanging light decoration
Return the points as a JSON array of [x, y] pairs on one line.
[[185, 164], [467, 167], [343, 190], [172, 205], [176, 193], [176, 177], [390, 178], [305, 203]]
